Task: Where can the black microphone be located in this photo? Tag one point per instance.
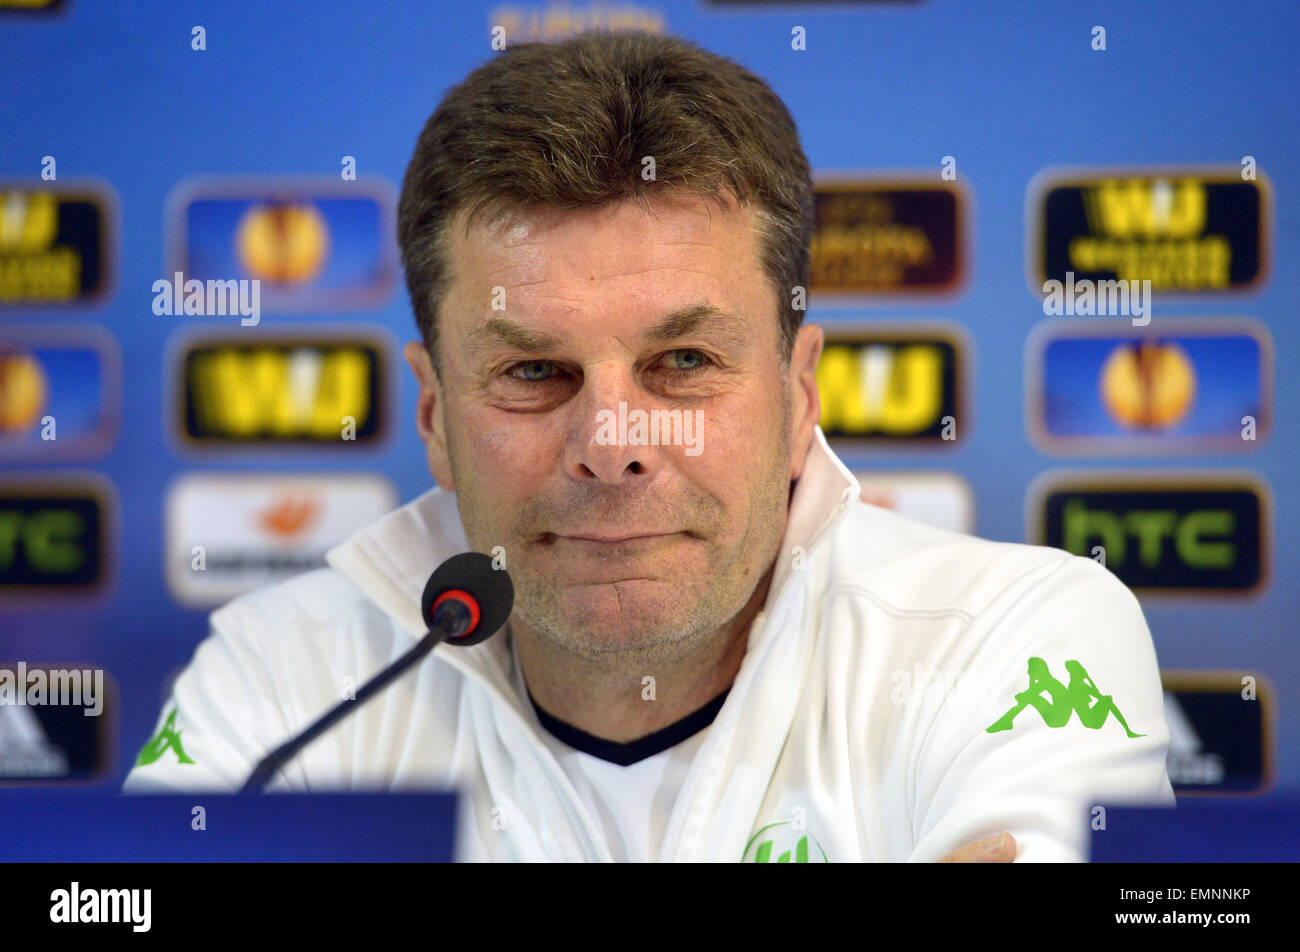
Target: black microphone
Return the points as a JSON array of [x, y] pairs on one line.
[[465, 601]]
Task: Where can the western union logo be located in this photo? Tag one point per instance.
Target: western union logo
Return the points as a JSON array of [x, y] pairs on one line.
[[882, 388], [28, 222], [1180, 231], [1134, 208], [51, 246], [292, 391]]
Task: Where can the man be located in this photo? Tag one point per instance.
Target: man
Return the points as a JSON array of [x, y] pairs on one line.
[[717, 651]]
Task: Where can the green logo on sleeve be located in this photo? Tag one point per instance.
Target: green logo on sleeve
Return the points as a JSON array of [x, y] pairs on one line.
[[167, 736], [1082, 697]]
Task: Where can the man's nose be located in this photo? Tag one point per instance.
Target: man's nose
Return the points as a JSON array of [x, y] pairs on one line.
[[600, 447]]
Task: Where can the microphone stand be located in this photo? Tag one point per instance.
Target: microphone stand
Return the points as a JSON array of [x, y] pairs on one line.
[[453, 617]]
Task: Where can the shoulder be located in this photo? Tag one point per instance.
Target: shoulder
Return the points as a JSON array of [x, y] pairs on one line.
[[320, 616], [971, 606], [913, 567], [313, 597]]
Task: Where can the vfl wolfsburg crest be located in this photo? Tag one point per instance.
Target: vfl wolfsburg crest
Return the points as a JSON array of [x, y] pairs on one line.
[[782, 842], [1056, 701]]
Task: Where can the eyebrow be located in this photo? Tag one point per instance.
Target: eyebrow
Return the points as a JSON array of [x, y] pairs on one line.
[[696, 318]]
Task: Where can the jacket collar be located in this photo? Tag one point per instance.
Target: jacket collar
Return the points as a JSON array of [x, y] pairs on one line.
[[392, 559], [822, 493]]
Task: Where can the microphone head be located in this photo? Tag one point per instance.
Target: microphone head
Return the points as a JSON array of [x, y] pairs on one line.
[[472, 573]]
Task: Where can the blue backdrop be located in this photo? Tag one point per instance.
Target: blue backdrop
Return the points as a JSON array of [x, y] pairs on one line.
[[1007, 87]]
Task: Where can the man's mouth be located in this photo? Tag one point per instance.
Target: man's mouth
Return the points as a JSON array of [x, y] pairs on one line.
[[626, 537], [610, 542]]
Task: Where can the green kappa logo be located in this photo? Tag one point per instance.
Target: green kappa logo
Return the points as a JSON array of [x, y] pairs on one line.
[[1081, 697], [167, 737], [792, 841]]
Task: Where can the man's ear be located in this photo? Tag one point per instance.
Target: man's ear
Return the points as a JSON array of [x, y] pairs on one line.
[[805, 403], [430, 422]]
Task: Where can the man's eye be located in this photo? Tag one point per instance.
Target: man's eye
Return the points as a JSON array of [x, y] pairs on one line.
[[695, 360], [534, 371], [540, 371]]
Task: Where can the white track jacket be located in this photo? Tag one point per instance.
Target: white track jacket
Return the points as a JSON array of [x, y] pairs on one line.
[[905, 691]]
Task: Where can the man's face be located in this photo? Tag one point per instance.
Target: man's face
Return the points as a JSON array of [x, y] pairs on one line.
[[613, 543]]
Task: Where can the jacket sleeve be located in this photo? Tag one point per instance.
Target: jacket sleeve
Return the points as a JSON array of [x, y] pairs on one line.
[[221, 719], [1058, 712]]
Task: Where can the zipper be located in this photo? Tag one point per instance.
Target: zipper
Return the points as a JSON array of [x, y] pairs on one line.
[[558, 776], [757, 630]]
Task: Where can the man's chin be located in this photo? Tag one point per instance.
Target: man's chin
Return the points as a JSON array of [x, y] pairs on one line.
[[616, 616], [619, 603]]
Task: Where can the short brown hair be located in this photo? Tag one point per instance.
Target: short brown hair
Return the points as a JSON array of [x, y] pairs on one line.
[[566, 124]]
